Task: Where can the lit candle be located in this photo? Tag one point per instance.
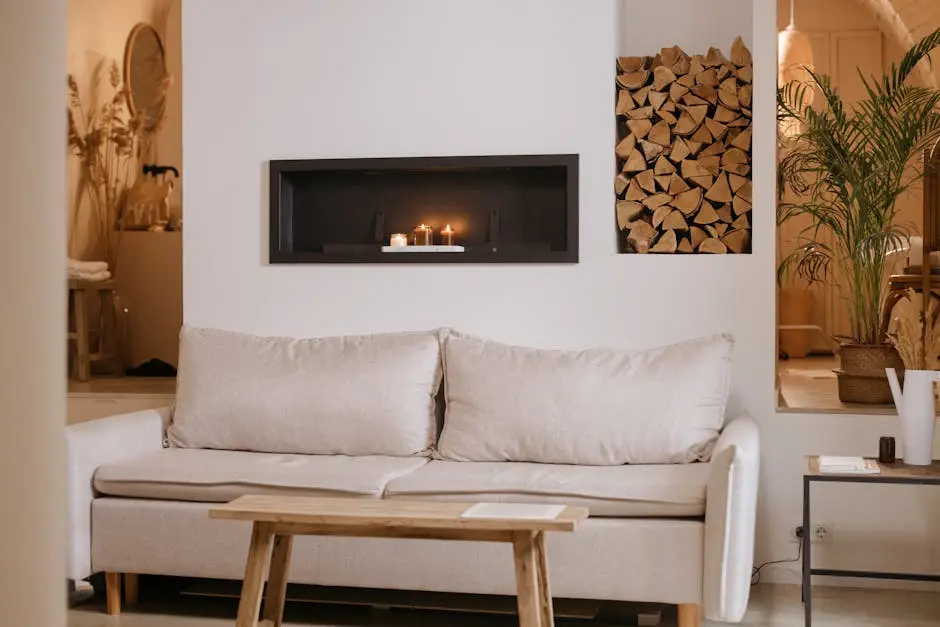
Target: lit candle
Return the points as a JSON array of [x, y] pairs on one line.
[[399, 239], [447, 236], [423, 235]]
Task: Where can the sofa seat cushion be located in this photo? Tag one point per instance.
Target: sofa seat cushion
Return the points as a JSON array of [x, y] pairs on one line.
[[667, 490], [218, 476]]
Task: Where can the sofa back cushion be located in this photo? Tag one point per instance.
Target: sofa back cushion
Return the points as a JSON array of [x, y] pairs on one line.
[[593, 407], [356, 395]]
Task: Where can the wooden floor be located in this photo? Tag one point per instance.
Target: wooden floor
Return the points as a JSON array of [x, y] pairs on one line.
[[771, 606]]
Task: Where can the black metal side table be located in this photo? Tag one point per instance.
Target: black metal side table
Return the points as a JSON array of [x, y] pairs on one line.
[[890, 474]]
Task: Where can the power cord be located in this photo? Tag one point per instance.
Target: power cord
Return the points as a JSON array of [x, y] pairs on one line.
[[755, 574]]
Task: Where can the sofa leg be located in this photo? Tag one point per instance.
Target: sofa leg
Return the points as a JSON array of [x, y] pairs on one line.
[[690, 615], [131, 589], [112, 585]]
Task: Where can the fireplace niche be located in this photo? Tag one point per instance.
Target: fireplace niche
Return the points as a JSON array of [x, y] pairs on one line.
[[504, 209]]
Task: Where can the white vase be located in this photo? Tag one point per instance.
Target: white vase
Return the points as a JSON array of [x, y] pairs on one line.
[[916, 410]]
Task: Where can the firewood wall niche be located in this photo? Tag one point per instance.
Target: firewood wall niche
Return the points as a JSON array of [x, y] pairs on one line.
[[684, 152]]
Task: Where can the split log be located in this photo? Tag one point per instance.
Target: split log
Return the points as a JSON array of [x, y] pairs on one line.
[[659, 216], [736, 182], [666, 116], [724, 71], [698, 113], [706, 93], [734, 156], [745, 93], [711, 163], [657, 99], [698, 236], [691, 168], [736, 241], [712, 231], [680, 150], [666, 243], [716, 128], [627, 211], [640, 113], [651, 150], [743, 140], [702, 135], [712, 246], [724, 213], [708, 77], [675, 221], [669, 106], [745, 190], [628, 65], [671, 56], [626, 146], [646, 181], [663, 181], [620, 184], [681, 66], [641, 95], [677, 91], [705, 182], [741, 222], [740, 55], [721, 190], [640, 128], [693, 146], [737, 168], [663, 77], [720, 228], [633, 80], [712, 149], [724, 115], [696, 66], [656, 200], [636, 162], [691, 100], [740, 205], [686, 125], [641, 233], [689, 200], [624, 102], [660, 134], [685, 246], [729, 99], [746, 74], [634, 191], [739, 122], [714, 58], [706, 214], [677, 185], [664, 166], [687, 80]]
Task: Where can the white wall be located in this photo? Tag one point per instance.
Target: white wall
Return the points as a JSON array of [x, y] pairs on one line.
[[324, 78]]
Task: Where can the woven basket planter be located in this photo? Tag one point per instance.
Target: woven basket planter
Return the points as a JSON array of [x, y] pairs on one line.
[[862, 377]]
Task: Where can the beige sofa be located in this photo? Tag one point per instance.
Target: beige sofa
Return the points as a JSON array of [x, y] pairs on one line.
[[671, 487]]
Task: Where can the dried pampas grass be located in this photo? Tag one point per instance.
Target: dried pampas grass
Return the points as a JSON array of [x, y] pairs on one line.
[[917, 351]]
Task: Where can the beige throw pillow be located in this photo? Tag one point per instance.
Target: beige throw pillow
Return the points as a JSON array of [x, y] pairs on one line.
[[593, 407], [356, 395]]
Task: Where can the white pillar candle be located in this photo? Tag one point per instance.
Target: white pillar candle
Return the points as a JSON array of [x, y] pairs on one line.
[[915, 256], [399, 239]]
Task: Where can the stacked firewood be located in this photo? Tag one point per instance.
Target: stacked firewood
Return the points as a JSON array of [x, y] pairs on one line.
[[684, 151]]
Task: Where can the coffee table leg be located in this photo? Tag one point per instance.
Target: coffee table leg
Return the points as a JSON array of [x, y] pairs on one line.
[[277, 581], [527, 579], [545, 588], [259, 556]]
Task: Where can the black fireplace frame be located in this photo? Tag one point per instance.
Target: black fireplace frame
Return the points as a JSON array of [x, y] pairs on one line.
[[286, 174]]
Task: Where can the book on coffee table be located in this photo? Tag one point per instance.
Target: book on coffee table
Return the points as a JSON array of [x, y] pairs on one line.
[[513, 511], [835, 465]]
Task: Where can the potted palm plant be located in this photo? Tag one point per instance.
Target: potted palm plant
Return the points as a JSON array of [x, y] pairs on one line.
[[847, 166]]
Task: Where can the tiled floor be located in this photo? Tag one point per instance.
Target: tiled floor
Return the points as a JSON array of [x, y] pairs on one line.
[[771, 606]]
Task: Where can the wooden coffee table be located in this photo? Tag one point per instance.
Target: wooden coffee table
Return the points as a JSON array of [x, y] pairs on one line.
[[277, 519]]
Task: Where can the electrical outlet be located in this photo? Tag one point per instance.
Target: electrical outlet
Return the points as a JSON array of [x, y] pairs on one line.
[[822, 533]]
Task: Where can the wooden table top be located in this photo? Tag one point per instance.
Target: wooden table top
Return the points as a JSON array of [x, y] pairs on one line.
[[353, 512], [899, 472]]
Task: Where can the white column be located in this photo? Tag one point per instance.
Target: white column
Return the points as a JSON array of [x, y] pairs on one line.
[[32, 312]]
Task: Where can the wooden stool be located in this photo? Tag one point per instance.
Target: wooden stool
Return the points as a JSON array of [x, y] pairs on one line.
[[82, 332]]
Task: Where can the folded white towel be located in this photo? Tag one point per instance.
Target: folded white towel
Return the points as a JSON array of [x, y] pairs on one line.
[[87, 267], [104, 275]]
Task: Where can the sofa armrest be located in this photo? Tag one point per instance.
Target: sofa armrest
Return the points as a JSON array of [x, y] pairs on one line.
[[90, 445], [730, 512]]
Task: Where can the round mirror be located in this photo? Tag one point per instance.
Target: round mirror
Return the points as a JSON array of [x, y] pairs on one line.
[[145, 75]]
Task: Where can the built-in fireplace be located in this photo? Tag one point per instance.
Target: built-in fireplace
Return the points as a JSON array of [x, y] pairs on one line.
[[495, 209]]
